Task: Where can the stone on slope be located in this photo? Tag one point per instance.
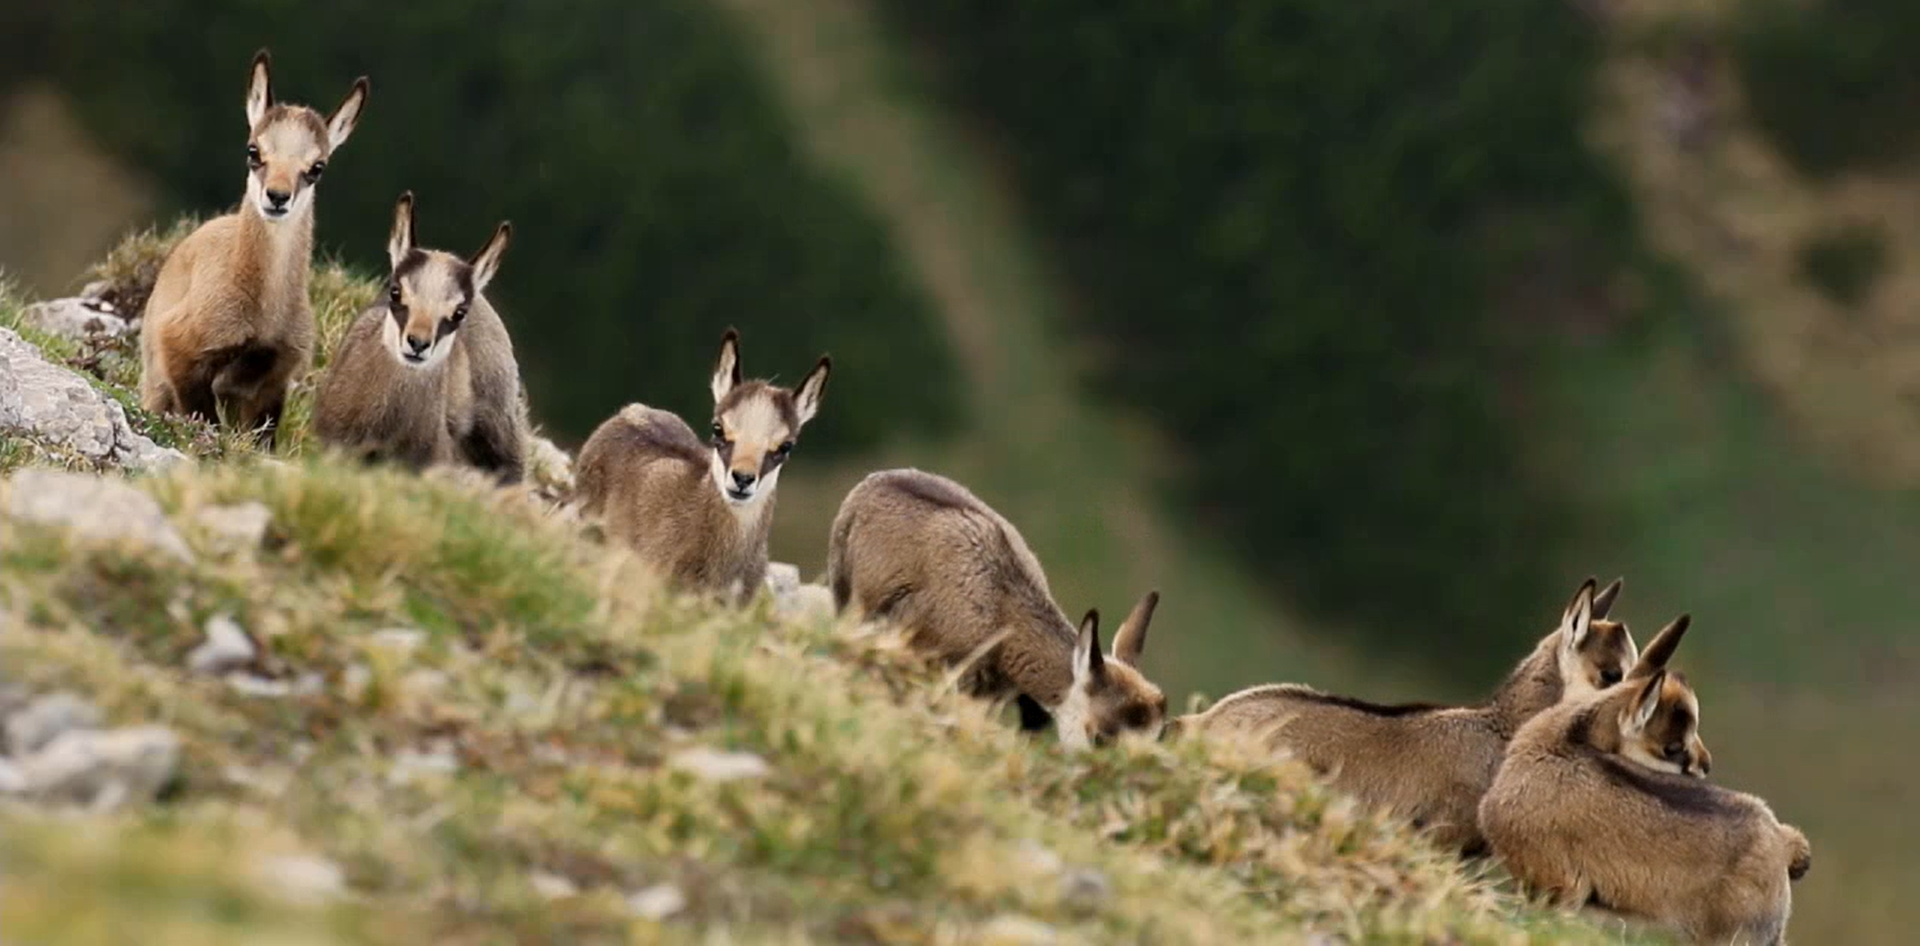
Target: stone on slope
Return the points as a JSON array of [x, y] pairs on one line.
[[53, 404]]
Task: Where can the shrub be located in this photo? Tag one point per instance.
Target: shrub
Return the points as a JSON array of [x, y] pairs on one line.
[[657, 193], [1273, 208]]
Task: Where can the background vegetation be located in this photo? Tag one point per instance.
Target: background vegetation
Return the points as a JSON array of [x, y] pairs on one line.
[[1413, 317]]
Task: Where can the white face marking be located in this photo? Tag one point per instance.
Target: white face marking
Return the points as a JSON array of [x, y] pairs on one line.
[[1074, 714], [755, 428], [431, 294], [288, 149]]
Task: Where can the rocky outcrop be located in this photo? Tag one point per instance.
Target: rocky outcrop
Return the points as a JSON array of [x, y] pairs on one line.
[[79, 317], [51, 404], [92, 510]]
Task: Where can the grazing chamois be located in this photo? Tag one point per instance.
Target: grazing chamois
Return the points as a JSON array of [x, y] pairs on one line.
[[923, 552]]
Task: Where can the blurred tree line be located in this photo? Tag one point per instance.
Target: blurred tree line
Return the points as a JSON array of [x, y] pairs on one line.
[[657, 192], [1304, 221]]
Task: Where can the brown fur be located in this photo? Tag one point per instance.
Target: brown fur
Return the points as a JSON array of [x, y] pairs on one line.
[[466, 404], [1577, 812], [228, 325], [1426, 763], [922, 551], [658, 489]]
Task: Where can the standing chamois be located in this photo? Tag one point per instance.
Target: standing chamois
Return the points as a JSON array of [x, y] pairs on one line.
[[923, 552], [426, 375], [700, 512], [1427, 763], [228, 326]]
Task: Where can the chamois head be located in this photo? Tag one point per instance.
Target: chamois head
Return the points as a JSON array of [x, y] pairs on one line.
[[430, 291], [755, 425], [1109, 695], [288, 145], [1593, 653]]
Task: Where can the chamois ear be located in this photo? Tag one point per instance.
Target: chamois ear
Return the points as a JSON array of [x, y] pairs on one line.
[[400, 239], [726, 371], [341, 123], [259, 88], [1646, 701], [1577, 620], [1660, 649], [1603, 600], [1131, 639], [487, 261], [1088, 663], [806, 399]]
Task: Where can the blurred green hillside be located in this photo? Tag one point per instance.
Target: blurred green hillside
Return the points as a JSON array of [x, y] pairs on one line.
[[1362, 332]]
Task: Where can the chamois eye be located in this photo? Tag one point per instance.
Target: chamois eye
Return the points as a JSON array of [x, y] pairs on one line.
[[1609, 677], [393, 294], [253, 157], [719, 433], [786, 447], [459, 313], [313, 173], [1676, 751]]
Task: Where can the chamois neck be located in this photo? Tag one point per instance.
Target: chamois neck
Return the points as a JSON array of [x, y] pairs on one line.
[[1530, 688], [279, 254]]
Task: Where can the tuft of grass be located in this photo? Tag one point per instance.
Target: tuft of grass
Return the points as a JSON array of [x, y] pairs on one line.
[[131, 268], [558, 682]]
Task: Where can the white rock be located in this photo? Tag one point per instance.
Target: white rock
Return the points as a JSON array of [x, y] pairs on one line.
[[93, 509], [1040, 859], [804, 603], [102, 768], [302, 878], [11, 781], [714, 765], [74, 318], [54, 404], [411, 765], [657, 902], [44, 719], [1084, 889], [226, 648], [236, 528], [355, 681], [255, 685], [551, 886], [1012, 930], [402, 640], [782, 577]]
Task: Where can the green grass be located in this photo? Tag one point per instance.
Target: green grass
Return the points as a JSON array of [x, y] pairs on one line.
[[564, 679]]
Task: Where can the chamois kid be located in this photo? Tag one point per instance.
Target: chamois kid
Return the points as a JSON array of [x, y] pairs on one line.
[[700, 512], [921, 551], [426, 375], [228, 326], [1604, 802], [1427, 763]]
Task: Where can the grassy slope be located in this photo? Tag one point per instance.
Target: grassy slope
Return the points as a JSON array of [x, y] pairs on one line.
[[563, 680]]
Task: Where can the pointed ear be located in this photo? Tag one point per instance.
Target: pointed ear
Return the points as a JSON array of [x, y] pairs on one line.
[[400, 240], [487, 261], [1578, 618], [807, 398], [726, 371], [1660, 649], [340, 123], [1646, 701], [1603, 600], [259, 88], [1087, 660], [1131, 639]]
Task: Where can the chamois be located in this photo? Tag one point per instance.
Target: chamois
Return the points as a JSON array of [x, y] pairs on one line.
[[426, 375], [700, 512], [228, 326], [1423, 762], [923, 552], [1604, 802]]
